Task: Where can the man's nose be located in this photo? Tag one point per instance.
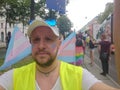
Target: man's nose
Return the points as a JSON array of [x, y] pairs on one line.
[[42, 44]]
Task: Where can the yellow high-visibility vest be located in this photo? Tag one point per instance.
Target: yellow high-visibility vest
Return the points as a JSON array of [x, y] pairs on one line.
[[70, 76]]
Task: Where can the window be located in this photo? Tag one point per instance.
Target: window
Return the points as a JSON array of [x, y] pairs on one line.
[[1, 25]]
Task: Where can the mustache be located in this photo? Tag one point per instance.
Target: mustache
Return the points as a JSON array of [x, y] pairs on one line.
[[42, 51]]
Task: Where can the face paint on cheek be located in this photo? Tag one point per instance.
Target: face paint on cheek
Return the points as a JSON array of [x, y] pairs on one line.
[[53, 46]]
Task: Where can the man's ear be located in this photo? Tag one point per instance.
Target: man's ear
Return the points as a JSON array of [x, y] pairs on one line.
[[60, 42]]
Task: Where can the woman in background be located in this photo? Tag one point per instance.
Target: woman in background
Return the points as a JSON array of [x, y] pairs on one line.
[[91, 47], [104, 51], [79, 50]]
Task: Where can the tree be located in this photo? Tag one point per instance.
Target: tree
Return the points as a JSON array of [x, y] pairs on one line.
[[64, 24], [19, 10], [40, 9], [105, 14]]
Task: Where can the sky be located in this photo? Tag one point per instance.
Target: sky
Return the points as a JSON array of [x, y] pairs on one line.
[[80, 12]]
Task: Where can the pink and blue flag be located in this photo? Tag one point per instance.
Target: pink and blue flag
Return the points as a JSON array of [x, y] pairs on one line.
[[67, 49], [18, 48]]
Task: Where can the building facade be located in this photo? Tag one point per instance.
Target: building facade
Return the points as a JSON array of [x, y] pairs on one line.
[[7, 29]]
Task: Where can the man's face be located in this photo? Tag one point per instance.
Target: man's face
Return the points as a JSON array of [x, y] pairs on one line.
[[44, 46]]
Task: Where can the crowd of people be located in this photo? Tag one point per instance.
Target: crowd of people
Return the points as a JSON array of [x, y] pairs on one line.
[[105, 49]]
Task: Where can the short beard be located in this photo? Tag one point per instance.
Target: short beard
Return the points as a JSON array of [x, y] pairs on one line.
[[50, 61], [47, 64]]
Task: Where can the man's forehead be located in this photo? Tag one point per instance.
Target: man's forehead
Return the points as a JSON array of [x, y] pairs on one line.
[[43, 32], [42, 29]]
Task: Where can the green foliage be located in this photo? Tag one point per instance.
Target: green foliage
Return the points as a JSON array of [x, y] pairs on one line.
[[64, 24], [13, 9], [105, 14], [19, 10], [40, 9]]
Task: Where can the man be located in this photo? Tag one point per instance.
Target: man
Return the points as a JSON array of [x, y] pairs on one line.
[[48, 73]]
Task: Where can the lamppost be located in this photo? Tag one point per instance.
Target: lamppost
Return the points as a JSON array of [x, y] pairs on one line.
[[6, 35], [32, 17], [32, 9]]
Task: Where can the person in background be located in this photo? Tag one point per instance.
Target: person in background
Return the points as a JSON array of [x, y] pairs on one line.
[[87, 40], [79, 50], [8, 37], [104, 51], [91, 47], [47, 72]]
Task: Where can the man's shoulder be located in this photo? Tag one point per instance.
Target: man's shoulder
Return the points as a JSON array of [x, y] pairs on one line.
[[71, 67], [26, 67], [68, 64], [9, 72]]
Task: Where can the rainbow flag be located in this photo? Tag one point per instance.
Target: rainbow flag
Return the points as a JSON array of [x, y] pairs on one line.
[[79, 55], [18, 48]]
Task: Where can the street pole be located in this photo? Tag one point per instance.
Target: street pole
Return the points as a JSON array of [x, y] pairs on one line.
[[6, 35], [6, 27], [116, 34], [32, 17]]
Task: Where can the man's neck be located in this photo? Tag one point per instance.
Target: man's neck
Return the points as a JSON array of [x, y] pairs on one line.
[[47, 70], [50, 78]]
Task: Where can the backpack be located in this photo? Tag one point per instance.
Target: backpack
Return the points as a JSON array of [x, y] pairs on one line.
[[79, 43], [91, 45]]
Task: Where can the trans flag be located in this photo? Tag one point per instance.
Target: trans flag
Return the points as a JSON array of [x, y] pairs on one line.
[[68, 51], [18, 48]]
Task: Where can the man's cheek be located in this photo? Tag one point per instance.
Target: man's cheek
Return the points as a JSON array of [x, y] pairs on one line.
[[53, 46]]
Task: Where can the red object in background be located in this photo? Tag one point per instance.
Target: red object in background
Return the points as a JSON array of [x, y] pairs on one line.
[[112, 49]]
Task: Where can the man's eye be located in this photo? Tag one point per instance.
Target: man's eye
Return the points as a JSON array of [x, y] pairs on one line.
[[35, 40], [48, 39]]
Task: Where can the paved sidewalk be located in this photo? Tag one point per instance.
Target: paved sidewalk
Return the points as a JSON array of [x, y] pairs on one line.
[[95, 70]]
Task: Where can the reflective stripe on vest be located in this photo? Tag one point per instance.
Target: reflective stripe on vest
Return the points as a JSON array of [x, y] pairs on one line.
[[71, 77]]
